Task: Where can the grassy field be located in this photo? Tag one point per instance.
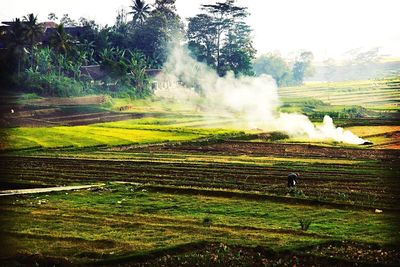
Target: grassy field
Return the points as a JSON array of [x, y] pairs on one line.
[[87, 226], [184, 190], [152, 130], [330, 175], [139, 131], [375, 94]]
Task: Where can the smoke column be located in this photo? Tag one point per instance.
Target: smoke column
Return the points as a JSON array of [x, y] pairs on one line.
[[253, 101]]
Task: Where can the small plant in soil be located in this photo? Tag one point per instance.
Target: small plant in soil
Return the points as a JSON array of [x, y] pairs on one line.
[[305, 224], [207, 222], [342, 196], [293, 191]]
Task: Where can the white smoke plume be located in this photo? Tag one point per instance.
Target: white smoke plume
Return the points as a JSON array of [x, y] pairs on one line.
[[252, 101]]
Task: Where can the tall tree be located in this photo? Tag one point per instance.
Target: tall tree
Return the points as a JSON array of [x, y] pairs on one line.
[[140, 11], [16, 42], [273, 64], [67, 21], [303, 67], [224, 16], [201, 35], [154, 36], [223, 30], [52, 16], [61, 41], [238, 52], [33, 31], [137, 67], [121, 23]]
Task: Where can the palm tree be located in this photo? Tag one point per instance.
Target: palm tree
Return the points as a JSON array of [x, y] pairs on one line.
[[33, 29], [60, 40], [140, 11], [17, 41]]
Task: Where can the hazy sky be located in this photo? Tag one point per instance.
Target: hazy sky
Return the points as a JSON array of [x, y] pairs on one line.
[[329, 28]]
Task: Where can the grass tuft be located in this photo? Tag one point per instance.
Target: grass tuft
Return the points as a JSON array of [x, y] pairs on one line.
[[305, 224]]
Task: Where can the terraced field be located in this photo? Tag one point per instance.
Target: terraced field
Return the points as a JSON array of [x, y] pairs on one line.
[[370, 93], [179, 192], [328, 174]]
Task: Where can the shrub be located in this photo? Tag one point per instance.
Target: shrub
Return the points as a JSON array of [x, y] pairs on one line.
[[293, 191], [29, 96], [207, 221], [342, 196], [305, 224], [51, 84], [275, 136]]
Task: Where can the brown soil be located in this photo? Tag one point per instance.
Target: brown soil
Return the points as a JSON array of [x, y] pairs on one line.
[[39, 117], [345, 254], [358, 252], [218, 254], [372, 185], [60, 112], [270, 149], [64, 101]]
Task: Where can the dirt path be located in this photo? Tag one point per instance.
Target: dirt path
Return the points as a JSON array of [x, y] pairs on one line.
[[46, 190]]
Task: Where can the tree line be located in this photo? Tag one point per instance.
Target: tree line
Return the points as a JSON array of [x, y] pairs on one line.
[[284, 72], [138, 40]]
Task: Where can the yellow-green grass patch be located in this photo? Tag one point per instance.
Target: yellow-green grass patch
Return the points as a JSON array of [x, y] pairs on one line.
[[86, 136], [124, 219]]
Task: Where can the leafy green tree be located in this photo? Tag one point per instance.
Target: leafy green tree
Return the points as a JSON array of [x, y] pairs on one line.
[[168, 9], [274, 65], [67, 21], [303, 67], [238, 52], [102, 39], [52, 16], [43, 60], [80, 59], [222, 38], [201, 35], [125, 68], [151, 40], [121, 23], [113, 63], [137, 66], [33, 30], [61, 41], [224, 14], [88, 48], [16, 43], [161, 27], [92, 40], [140, 11]]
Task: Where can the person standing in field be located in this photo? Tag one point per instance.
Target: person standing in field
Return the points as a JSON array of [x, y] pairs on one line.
[[292, 179]]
